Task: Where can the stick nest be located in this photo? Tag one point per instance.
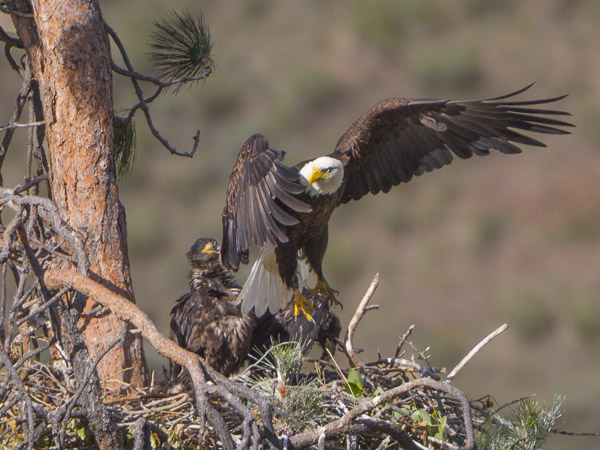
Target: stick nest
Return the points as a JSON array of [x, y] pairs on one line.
[[283, 400]]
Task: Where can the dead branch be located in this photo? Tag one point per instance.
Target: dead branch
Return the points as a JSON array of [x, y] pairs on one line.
[[403, 339], [9, 40], [343, 424], [49, 212], [144, 101], [473, 352], [129, 312], [225, 388], [358, 315], [21, 125], [87, 381], [10, 129], [24, 397]]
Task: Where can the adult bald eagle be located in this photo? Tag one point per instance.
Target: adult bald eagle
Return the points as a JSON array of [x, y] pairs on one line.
[[206, 320], [285, 210]]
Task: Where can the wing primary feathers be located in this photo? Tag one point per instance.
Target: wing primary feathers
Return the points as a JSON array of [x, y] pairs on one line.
[[530, 102], [538, 119], [555, 112], [475, 126], [399, 138], [512, 135], [540, 128], [261, 201], [511, 94]]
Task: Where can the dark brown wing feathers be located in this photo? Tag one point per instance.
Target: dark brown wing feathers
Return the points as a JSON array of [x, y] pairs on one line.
[[399, 138], [261, 200]]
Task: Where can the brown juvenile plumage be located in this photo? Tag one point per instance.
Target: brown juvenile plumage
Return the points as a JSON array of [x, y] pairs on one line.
[[206, 320], [285, 210]]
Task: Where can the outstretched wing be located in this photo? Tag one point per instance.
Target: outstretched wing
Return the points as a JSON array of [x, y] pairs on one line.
[[399, 138], [261, 198]]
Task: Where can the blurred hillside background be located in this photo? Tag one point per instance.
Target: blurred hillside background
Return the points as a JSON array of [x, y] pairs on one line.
[[460, 251]]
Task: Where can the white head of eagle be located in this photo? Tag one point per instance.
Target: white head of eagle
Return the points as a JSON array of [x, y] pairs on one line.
[[322, 176]]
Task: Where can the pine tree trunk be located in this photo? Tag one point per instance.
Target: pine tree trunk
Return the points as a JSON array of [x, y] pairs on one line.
[[68, 48]]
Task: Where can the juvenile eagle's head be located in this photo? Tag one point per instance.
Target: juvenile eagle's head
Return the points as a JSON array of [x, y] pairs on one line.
[[204, 250], [322, 176]]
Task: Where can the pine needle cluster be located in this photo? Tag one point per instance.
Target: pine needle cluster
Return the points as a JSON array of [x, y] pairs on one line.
[[527, 429], [124, 145], [278, 376], [181, 46]]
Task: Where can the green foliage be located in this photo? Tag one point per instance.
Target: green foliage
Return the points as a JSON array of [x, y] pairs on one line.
[[354, 385], [84, 432], [281, 382], [78, 434], [287, 358], [528, 429], [181, 46], [303, 402], [124, 145], [435, 424]]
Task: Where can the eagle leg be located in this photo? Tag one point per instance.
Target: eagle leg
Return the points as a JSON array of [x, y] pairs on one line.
[[302, 304], [327, 292]]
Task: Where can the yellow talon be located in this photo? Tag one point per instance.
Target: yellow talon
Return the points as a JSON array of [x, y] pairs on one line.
[[302, 304], [327, 292]]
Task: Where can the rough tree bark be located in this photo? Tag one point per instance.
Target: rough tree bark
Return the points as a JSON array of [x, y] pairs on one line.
[[68, 48]]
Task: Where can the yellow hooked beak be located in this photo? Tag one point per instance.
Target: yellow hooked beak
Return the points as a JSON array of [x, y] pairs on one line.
[[209, 248], [316, 174]]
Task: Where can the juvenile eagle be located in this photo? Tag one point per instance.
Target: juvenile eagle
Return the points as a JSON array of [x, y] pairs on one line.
[[206, 320], [285, 210]]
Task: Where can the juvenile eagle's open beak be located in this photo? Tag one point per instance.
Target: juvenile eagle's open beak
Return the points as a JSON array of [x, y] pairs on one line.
[[209, 248], [316, 175]]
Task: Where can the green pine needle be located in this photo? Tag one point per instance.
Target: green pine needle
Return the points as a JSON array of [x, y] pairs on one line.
[[281, 382], [124, 144], [528, 429], [181, 46]]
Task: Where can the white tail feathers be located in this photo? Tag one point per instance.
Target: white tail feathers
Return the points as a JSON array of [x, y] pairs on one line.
[[264, 288]]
